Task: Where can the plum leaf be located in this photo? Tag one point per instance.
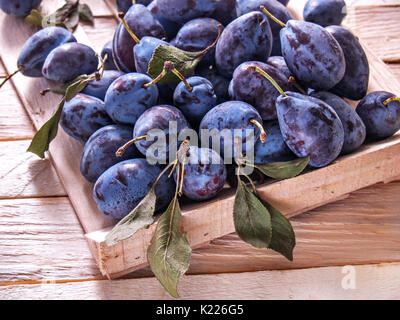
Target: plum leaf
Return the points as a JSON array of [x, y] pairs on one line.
[[283, 170], [139, 218], [169, 252], [252, 219]]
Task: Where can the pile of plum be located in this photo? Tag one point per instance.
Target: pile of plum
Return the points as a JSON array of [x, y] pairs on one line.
[[267, 72]]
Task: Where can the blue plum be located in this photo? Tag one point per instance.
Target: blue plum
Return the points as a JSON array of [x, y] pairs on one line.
[[354, 84], [274, 149], [225, 12], [246, 38], [126, 98], [142, 23], [229, 116], [124, 5], [280, 63], [98, 88], [99, 152], [197, 35], [107, 50], [252, 87], [171, 28], [20, 8], [144, 50], [310, 127], [196, 103], [354, 128], [37, 48], [158, 118], [205, 174], [82, 116], [276, 8], [120, 189], [69, 61], [381, 118], [313, 55], [182, 11], [220, 83], [325, 12], [284, 2]]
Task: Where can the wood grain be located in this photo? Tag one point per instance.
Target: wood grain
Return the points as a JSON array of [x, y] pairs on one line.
[[237, 252], [381, 281], [41, 239], [378, 28], [374, 163], [14, 121], [24, 175]]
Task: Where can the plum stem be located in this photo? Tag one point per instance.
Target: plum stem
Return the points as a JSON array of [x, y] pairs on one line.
[[266, 75], [120, 152], [182, 78], [8, 77], [134, 37], [162, 173], [293, 81], [269, 14], [182, 176], [169, 67], [263, 134], [215, 42], [387, 101]]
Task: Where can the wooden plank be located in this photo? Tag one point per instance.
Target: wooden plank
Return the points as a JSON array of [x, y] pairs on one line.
[[14, 121], [381, 281], [41, 239], [101, 32], [378, 28], [395, 68], [374, 163], [367, 224], [24, 175]]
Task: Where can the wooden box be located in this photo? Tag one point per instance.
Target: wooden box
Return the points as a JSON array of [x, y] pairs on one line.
[[373, 163]]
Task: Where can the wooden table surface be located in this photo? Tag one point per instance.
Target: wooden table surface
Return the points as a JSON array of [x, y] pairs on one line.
[[44, 255]]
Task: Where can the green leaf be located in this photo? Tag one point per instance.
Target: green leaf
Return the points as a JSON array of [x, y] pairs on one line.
[[35, 18], [169, 252], [85, 13], [252, 220], [139, 218], [76, 87], [283, 170], [41, 141], [283, 237], [62, 89], [185, 62]]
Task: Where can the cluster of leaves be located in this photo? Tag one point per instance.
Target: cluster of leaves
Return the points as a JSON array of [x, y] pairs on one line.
[[67, 16], [256, 222]]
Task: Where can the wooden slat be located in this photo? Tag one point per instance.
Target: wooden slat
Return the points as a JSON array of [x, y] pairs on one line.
[[14, 121], [378, 28], [66, 157], [24, 175], [395, 68], [371, 282], [41, 239], [101, 32], [367, 224]]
